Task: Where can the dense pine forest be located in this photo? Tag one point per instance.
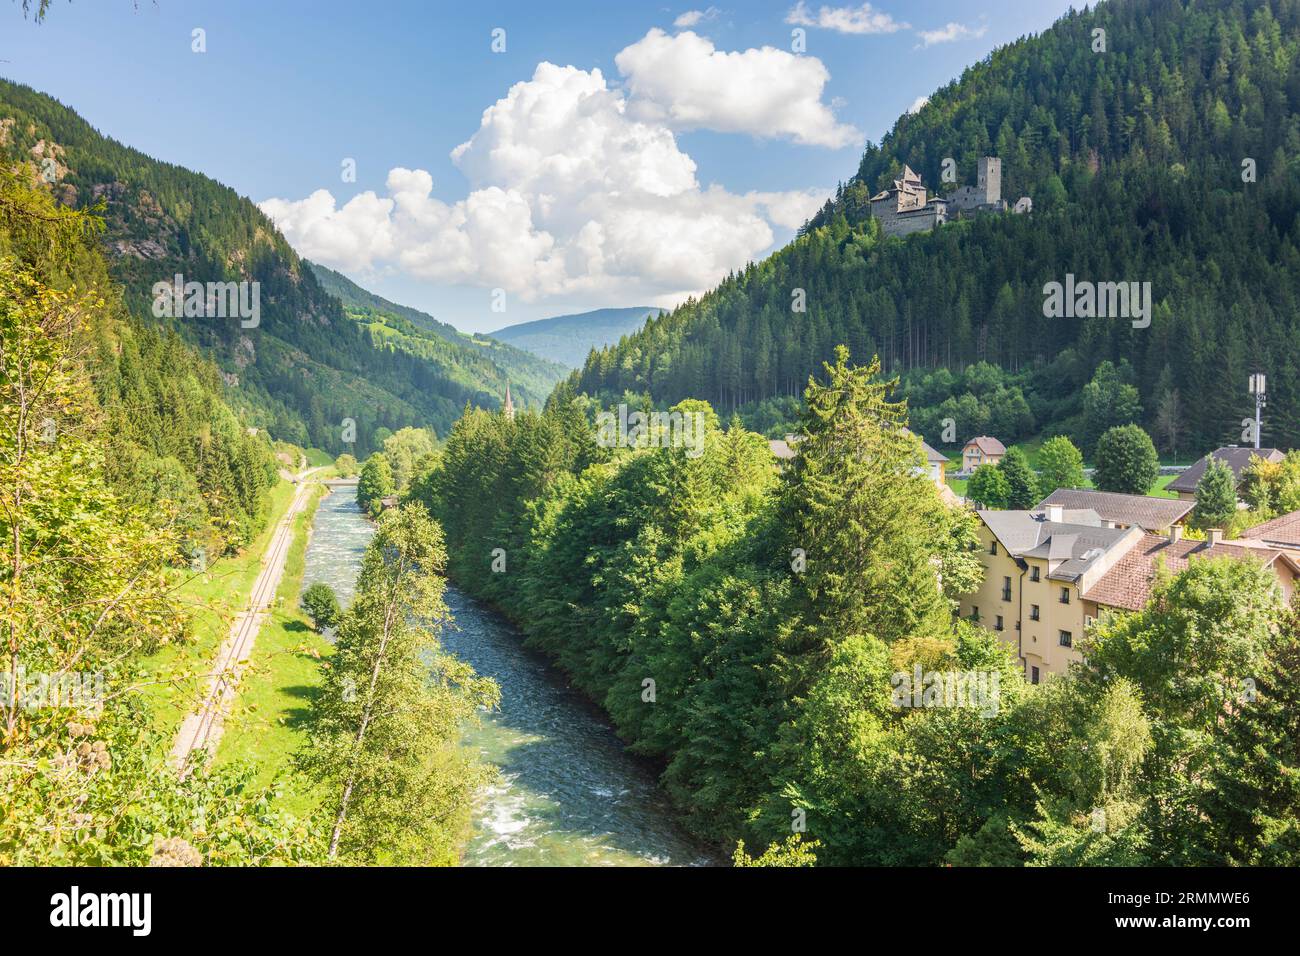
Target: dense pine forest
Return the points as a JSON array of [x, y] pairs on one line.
[[1136, 159], [307, 366]]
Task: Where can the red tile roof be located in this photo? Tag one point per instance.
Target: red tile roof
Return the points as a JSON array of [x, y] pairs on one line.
[[988, 445], [1128, 583], [1284, 531]]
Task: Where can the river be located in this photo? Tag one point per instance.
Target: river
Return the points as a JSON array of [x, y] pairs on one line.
[[568, 794]]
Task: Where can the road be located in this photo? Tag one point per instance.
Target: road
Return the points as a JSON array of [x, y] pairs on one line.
[[202, 729]]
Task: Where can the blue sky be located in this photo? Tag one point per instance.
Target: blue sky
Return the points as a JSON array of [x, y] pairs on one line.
[[697, 146]]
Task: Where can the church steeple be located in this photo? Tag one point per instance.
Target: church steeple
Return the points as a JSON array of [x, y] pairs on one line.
[[510, 406]]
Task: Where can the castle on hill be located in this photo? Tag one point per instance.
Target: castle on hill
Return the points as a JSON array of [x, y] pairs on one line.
[[906, 207]]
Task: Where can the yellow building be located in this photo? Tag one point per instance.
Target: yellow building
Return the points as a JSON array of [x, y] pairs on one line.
[[982, 450], [1037, 566], [1050, 574]]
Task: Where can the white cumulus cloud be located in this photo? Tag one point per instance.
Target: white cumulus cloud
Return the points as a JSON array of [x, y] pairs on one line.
[[570, 195], [918, 104], [863, 19], [685, 82]]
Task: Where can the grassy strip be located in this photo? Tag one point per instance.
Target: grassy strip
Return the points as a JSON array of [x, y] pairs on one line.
[[213, 599], [316, 457], [284, 674], [1159, 490]]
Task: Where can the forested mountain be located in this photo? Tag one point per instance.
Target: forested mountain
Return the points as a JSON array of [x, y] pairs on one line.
[[174, 449], [1171, 157], [475, 361], [305, 367], [569, 339]]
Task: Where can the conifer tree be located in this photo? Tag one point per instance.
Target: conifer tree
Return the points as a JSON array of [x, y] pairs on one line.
[[1022, 489]]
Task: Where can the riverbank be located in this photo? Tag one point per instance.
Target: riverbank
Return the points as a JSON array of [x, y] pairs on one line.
[[569, 793]]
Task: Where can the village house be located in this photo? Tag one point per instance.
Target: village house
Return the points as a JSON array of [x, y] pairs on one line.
[[1147, 512], [937, 464], [1127, 586], [1283, 532], [981, 450], [783, 449], [1037, 565], [1050, 574], [1234, 456]]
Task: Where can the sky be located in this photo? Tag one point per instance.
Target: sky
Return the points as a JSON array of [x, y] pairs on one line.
[[494, 163]]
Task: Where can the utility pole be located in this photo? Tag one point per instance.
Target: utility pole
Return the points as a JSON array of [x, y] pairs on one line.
[[1257, 389]]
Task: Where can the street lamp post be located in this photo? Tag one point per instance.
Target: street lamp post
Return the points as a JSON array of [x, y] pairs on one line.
[[1257, 389]]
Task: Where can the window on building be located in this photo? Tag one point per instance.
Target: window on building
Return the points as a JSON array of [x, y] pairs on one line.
[[1065, 595], [1033, 612], [1067, 639], [974, 613], [993, 547], [1033, 573], [1033, 675], [998, 624], [1006, 589]]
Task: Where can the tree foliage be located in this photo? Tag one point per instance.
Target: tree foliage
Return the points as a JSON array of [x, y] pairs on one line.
[[1126, 461]]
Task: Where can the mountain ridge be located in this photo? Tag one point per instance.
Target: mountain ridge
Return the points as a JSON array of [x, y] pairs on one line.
[[307, 369], [569, 338]]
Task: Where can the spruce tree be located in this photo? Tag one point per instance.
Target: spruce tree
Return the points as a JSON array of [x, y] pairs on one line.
[[1022, 489], [1216, 495]]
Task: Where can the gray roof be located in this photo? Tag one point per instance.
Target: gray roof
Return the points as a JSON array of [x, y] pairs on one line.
[[1143, 511], [1237, 458], [932, 456], [781, 449], [1027, 534]]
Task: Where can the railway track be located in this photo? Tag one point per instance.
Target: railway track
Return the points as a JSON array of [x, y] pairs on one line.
[[202, 729]]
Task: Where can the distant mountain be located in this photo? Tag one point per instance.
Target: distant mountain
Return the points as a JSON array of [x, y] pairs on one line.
[[486, 362], [309, 364], [568, 339]]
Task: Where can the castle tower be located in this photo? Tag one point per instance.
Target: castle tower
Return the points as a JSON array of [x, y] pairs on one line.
[[989, 181], [510, 406]]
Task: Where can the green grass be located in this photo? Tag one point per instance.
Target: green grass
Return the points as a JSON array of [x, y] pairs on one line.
[[316, 457], [213, 599], [958, 485], [275, 697]]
